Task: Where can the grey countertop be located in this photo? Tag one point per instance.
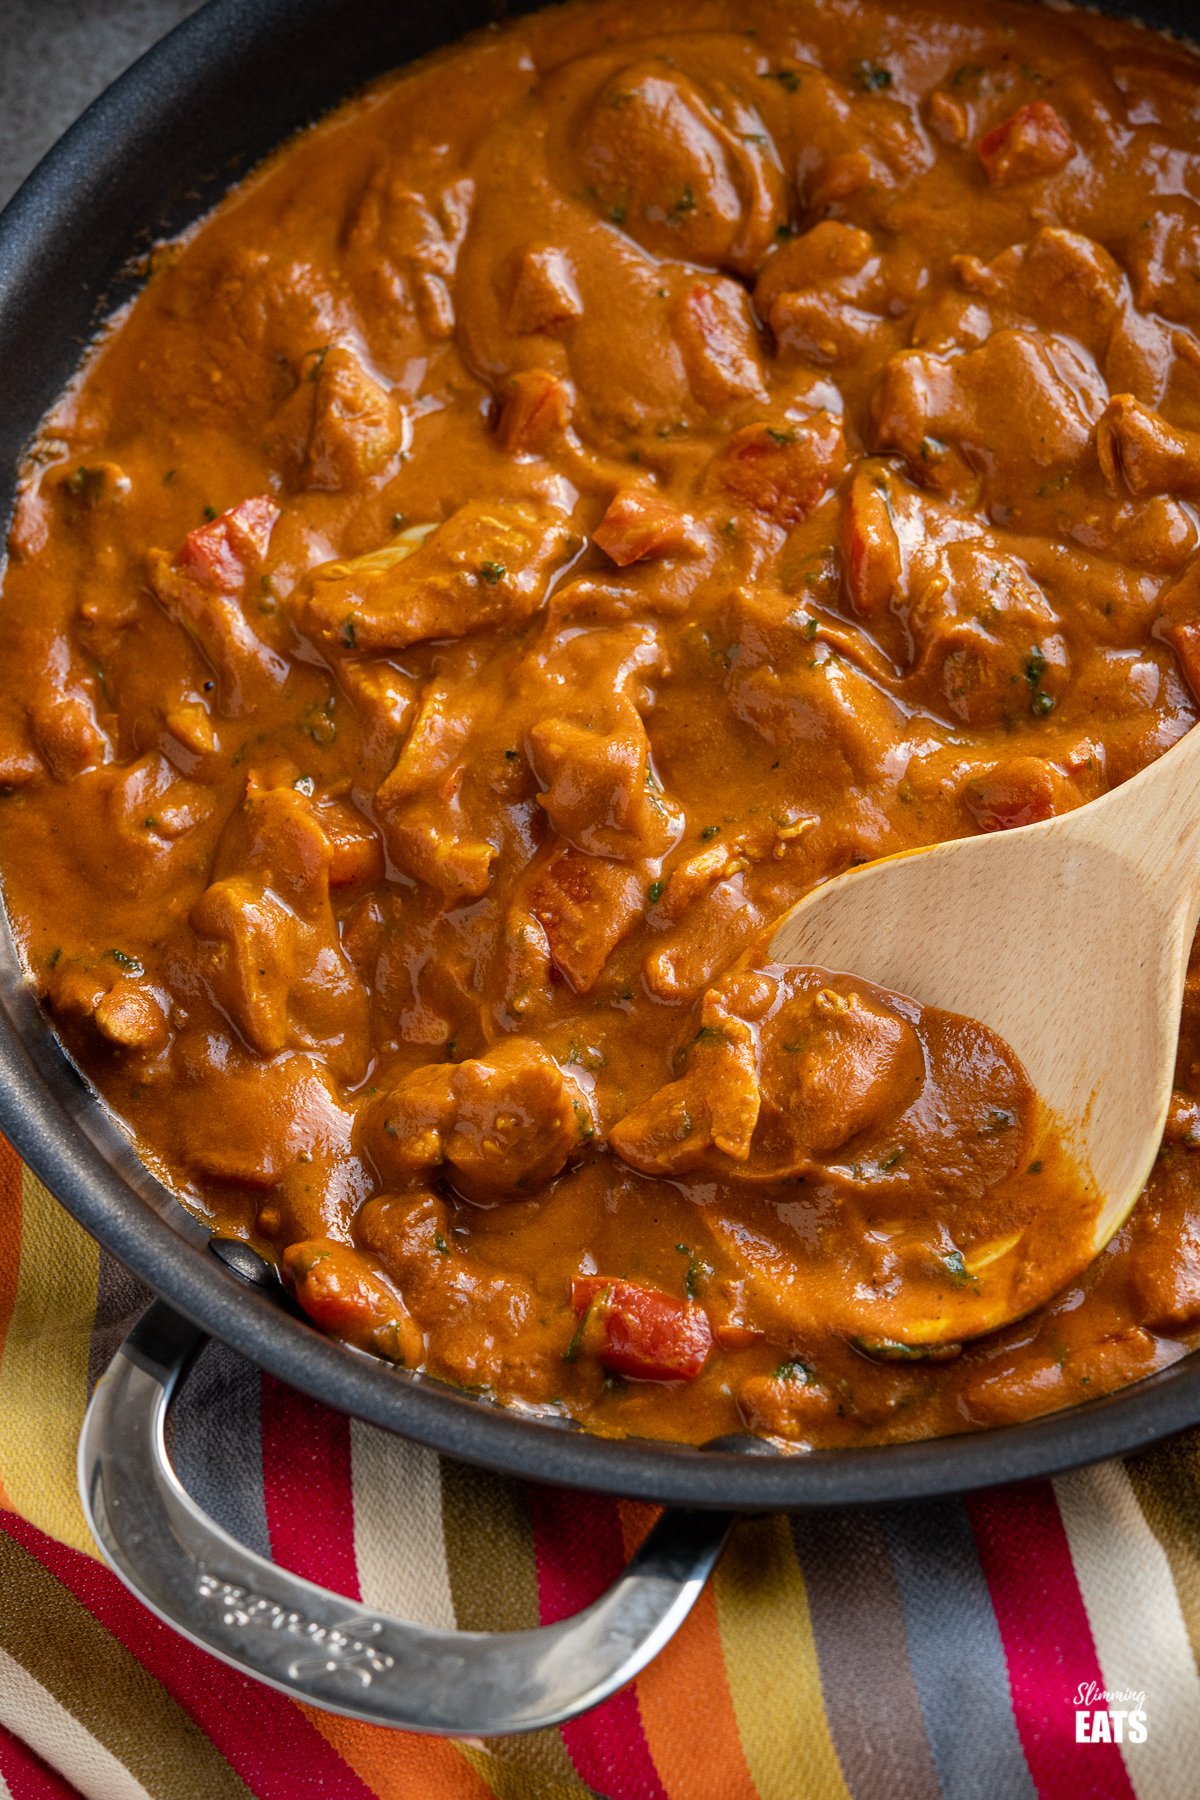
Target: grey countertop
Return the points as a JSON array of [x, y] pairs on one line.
[[55, 57]]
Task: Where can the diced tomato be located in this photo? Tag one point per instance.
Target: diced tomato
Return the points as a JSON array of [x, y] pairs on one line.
[[357, 851], [536, 409], [642, 1332], [783, 471], [1032, 141], [221, 554], [738, 1337], [716, 340], [1184, 639], [638, 525], [870, 547], [1023, 792], [341, 1294]]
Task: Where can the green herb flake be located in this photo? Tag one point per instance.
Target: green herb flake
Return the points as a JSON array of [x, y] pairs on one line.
[[956, 1267], [210, 513], [698, 1272], [780, 437], [440, 1244], [1000, 1119], [319, 723], [655, 891], [1035, 667], [891, 1159], [685, 204], [794, 1370], [576, 1344], [617, 214], [348, 634], [583, 1122], [710, 831], [788, 79], [124, 961], [1043, 704], [492, 572], [871, 77]]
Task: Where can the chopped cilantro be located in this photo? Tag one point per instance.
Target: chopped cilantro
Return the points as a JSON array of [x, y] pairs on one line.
[[794, 1370], [655, 891], [492, 572], [871, 77]]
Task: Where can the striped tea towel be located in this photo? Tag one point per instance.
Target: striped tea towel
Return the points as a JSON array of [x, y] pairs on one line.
[[947, 1650]]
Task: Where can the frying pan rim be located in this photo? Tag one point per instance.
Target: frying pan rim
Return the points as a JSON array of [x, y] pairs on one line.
[[98, 172]]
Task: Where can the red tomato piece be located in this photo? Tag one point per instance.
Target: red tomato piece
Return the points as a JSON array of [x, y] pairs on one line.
[[221, 554], [870, 547], [357, 851], [783, 472], [1184, 638], [342, 1295], [1033, 141], [639, 525], [536, 410], [642, 1332]]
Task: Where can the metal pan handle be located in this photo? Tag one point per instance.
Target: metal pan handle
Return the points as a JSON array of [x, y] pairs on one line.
[[319, 1646]]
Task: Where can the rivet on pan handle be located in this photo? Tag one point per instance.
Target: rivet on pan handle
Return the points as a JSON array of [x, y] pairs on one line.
[[319, 1646]]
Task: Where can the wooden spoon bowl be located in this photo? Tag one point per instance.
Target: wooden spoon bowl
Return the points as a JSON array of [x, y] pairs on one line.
[[1070, 939]]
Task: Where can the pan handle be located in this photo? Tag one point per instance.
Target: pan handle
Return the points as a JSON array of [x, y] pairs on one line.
[[329, 1651]]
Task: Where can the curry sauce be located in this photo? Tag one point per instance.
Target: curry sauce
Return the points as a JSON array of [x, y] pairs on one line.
[[593, 487]]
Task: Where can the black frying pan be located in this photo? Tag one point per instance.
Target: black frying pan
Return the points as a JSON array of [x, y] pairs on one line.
[[152, 154]]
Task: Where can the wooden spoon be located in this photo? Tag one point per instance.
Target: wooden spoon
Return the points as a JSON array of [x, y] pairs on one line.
[[1070, 939]]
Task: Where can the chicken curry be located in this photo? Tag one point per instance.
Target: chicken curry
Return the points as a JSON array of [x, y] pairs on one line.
[[596, 485]]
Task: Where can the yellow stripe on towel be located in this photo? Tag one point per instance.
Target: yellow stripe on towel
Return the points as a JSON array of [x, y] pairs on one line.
[[43, 1370]]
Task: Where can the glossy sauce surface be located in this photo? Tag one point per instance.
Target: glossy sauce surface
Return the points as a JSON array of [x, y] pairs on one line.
[[592, 488]]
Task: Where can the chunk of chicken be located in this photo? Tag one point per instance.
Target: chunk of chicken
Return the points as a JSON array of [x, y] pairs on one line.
[[989, 638], [357, 424], [689, 179], [203, 587], [487, 566], [268, 942], [786, 1068], [1140, 451], [598, 793], [947, 415], [713, 1106], [503, 1123]]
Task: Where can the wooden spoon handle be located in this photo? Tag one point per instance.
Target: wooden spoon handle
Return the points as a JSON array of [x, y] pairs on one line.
[[1153, 821]]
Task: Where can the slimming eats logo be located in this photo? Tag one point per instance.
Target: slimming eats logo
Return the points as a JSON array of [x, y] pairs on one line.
[[1109, 1715]]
